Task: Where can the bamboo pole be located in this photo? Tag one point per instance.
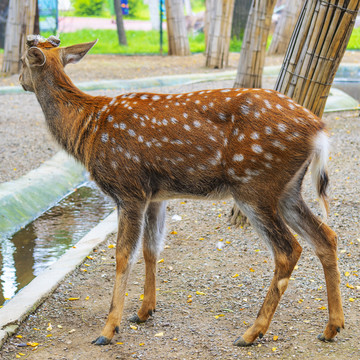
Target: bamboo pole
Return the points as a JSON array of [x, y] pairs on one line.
[[20, 23], [316, 48], [284, 27], [219, 32], [176, 28], [252, 56]]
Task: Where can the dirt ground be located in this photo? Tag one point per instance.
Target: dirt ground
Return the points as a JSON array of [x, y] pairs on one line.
[[212, 279]]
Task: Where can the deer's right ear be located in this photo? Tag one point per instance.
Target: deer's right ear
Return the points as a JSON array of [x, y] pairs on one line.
[[35, 57], [73, 54]]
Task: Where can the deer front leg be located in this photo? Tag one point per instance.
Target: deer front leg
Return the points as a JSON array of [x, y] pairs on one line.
[[153, 242], [129, 237]]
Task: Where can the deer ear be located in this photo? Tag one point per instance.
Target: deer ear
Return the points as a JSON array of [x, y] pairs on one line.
[[36, 57], [73, 54]]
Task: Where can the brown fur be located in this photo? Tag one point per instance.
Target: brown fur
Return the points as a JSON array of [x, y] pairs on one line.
[[143, 148]]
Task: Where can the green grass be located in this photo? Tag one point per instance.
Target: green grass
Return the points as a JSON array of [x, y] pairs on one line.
[[354, 42], [139, 42]]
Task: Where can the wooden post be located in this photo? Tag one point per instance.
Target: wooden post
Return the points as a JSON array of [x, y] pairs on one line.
[[285, 27], [20, 23], [252, 56], [316, 48], [176, 28]]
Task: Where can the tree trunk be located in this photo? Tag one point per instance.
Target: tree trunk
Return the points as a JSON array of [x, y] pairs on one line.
[[316, 48], [176, 28], [20, 23], [285, 27], [120, 23], [240, 17], [252, 56], [219, 32]]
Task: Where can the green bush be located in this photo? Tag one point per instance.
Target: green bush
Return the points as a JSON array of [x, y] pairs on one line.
[[88, 7]]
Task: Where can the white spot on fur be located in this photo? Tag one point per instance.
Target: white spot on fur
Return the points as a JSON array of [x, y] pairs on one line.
[[241, 137], [268, 130], [212, 138], [238, 157], [110, 118], [197, 123], [282, 127], [245, 109], [185, 115], [122, 126], [255, 135], [256, 148], [104, 137], [187, 127], [267, 104], [155, 97], [278, 106], [268, 156], [131, 132]]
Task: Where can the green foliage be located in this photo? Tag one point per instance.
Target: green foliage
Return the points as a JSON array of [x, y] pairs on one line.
[[197, 6], [88, 7], [354, 42]]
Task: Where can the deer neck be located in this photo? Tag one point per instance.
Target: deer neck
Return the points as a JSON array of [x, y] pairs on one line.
[[66, 108]]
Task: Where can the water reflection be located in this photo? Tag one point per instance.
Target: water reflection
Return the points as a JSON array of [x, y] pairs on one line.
[[28, 252]]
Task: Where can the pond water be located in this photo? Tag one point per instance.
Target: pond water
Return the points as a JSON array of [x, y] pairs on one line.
[[29, 251]]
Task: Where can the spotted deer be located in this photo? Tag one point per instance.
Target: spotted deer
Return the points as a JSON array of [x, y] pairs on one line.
[[142, 149]]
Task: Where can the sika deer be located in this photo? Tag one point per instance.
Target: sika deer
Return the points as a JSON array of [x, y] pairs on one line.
[[142, 149]]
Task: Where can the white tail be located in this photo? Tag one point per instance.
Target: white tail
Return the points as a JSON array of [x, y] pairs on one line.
[[142, 149], [319, 170]]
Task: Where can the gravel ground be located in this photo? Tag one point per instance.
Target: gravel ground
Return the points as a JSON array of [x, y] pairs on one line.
[[226, 304]]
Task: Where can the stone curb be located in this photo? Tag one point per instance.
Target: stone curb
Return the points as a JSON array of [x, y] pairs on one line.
[[32, 295], [24, 199]]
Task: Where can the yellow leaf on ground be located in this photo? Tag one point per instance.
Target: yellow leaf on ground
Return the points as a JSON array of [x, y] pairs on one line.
[[160, 261], [274, 349], [142, 297], [87, 298], [347, 273], [252, 270], [141, 344], [351, 299], [322, 308], [235, 275], [119, 343], [160, 334], [32, 344], [19, 336], [275, 337], [200, 293], [174, 232], [133, 327], [73, 298], [111, 246], [349, 286]]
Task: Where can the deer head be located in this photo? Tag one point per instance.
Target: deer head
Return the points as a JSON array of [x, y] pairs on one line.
[[42, 54]]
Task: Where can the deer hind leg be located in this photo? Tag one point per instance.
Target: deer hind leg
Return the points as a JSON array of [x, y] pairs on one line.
[[154, 232], [324, 241], [286, 252], [131, 218]]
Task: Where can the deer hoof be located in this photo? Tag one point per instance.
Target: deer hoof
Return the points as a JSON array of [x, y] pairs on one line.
[[101, 340], [241, 342], [135, 319], [323, 338]]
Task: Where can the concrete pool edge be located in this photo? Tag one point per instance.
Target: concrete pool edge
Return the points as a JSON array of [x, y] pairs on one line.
[[24, 199], [36, 292]]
